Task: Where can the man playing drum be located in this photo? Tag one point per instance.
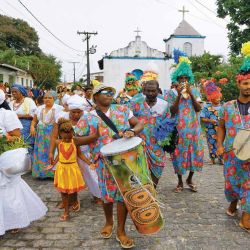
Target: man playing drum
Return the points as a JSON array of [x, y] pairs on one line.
[[235, 118], [123, 119]]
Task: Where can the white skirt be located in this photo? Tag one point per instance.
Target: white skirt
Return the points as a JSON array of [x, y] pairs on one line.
[[19, 205]]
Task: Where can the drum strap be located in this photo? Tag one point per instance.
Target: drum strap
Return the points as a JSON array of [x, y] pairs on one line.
[[107, 121]]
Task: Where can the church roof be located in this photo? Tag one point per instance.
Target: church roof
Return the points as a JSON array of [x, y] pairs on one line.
[[185, 29]]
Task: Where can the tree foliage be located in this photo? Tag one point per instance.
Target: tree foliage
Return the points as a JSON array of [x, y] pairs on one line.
[[19, 46], [18, 35], [45, 69], [239, 25]]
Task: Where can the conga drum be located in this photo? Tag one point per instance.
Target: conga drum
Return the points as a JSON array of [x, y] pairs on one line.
[[126, 161], [241, 145]]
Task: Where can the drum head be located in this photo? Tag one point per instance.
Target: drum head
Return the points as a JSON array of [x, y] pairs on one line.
[[120, 146], [241, 144]]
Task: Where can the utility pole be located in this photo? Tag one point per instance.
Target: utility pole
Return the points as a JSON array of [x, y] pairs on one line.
[[91, 50], [74, 68]]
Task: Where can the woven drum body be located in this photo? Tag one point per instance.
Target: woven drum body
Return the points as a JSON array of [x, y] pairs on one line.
[[241, 145], [126, 161]]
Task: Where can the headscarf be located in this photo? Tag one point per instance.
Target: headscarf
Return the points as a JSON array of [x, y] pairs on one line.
[[75, 102], [20, 88], [52, 93], [65, 99], [212, 91]]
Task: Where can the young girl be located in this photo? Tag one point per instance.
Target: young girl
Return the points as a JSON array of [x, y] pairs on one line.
[[68, 178]]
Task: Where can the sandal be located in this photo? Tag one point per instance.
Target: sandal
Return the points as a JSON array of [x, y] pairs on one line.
[[64, 217], [76, 207], [125, 242], [232, 214], [106, 234], [14, 231], [244, 228], [192, 186], [178, 189]]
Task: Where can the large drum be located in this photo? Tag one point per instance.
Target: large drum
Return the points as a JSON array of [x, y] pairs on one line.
[[126, 161]]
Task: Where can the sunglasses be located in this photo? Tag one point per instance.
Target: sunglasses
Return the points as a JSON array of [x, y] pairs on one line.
[[107, 92]]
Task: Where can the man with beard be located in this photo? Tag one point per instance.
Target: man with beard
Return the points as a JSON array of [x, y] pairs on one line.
[[235, 116], [149, 111]]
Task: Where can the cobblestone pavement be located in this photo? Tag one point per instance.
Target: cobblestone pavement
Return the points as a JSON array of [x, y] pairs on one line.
[[192, 220]]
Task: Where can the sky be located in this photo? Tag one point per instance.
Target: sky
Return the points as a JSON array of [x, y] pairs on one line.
[[115, 21]]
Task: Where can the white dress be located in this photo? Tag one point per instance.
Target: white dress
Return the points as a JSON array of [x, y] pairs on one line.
[[19, 205], [89, 175]]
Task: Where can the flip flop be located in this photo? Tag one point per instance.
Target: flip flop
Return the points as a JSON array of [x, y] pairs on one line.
[[243, 228], [232, 214], [178, 189], [192, 187], [64, 217], [125, 246], [109, 235]]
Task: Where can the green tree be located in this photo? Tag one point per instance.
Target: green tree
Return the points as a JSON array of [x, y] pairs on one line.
[[239, 25], [18, 35], [45, 69]]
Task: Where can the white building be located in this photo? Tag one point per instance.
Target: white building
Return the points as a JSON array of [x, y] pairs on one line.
[[187, 39], [138, 57], [11, 74]]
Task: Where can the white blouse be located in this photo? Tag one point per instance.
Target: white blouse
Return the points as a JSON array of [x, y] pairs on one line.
[[51, 116], [8, 121], [28, 107]]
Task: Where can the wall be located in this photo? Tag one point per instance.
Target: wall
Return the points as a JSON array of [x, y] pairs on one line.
[[178, 43], [115, 70]]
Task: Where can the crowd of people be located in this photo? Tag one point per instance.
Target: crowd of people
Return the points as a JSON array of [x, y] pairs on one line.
[[67, 131]]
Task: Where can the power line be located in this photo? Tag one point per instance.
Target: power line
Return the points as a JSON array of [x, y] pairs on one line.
[[58, 39], [205, 7]]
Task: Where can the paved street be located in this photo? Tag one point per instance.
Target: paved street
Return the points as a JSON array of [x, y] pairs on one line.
[[193, 220]]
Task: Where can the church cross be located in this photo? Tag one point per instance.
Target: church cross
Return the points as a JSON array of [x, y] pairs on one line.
[[137, 31], [183, 12]]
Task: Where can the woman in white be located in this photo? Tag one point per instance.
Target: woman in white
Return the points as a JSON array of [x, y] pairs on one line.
[[19, 205], [25, 109], [75, 107], [41, 127]]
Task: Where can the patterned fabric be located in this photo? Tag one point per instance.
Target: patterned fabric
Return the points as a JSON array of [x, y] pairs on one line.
[[236, 172], [68, 177], [25, 132], [149, 117], [189, 152], [88, 125], [212, 113], [41, 152]]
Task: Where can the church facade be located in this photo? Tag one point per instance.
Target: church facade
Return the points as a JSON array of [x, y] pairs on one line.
[[138, 57]]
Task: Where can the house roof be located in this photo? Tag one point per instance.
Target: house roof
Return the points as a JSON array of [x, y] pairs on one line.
[[12, 67], [185, 29]]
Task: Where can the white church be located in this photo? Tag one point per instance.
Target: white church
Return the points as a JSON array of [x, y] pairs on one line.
[[138, 56]]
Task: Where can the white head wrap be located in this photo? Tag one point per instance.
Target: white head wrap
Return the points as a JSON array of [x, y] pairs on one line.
[[75, 102], [2, 96], [65, 99]]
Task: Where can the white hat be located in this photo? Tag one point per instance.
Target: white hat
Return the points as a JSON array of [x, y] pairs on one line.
[[65, 99], [101, 87], [75, 102], [2, 97]]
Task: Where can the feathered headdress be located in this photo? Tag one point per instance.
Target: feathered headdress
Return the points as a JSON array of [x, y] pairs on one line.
[[244, 72], [212, 91], [131, 82], [183, 66]]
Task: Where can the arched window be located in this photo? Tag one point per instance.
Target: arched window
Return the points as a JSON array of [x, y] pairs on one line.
[[187, 47]]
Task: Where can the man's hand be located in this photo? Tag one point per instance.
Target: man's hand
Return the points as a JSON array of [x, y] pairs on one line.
[[128, 134]]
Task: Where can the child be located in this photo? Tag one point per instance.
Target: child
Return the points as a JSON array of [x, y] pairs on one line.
[[68, 178]]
